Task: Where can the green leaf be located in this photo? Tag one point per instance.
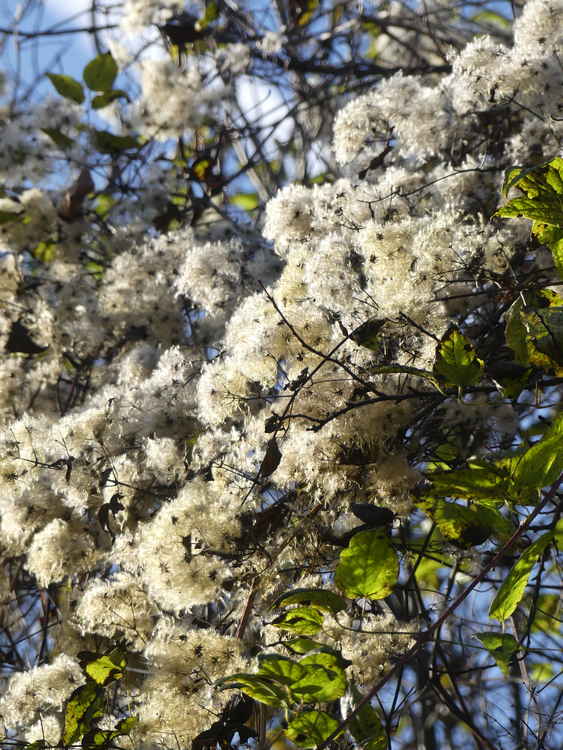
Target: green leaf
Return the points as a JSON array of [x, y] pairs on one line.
[[502, 647], [67, 86], [45, 251], [368, 334], [555, 241], [543, 204], [103, 205], [58, 137], [546, 211], [127, 724], [301, 645], [84, 705], [102, 100], [544, 329], [108, 143], [98, 738], [366, 726], [323, 680], [541, 465], [547, 617], [492, 19], [542, 672], [535, 331], [301, 620], [259, 688], [465, 527], [280, 668], [317, 598], [9, 216], [103, 669], [456, 360], [515, 333], [480, 480], [368, 567], [100, 72], [247, 201], [512, 590], [306, 12], [311, 728], [211, 14]]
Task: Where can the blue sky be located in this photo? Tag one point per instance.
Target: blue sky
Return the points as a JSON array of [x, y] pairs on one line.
[[25, 58]]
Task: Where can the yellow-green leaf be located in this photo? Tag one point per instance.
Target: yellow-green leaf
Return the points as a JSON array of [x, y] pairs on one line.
[[280, 668], [261, 689], [502, 647], [104, 668], [84, 705], [366, 726], [300, 620], [100, 72], [67, 86], [457, 361], [540, 465], [311, 728], [323, 679], [542, 672], [368, 567], [246, 201], [318, 598], [512, 590]]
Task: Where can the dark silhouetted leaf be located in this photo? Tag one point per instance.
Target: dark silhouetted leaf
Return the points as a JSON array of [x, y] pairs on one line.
[[20, 341]]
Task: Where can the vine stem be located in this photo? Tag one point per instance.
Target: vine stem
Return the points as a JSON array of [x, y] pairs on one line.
[[426, 635]]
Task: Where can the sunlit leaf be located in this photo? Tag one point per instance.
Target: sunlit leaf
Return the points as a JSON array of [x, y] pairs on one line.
[[104, 668], [480, 480], [280, 668], [547, 617], [323, 680], [301, 645], [502, 647], [534, 331], [540, 465], [84, 705], [45, 251], [456, 360], [301, 620], [512, 590], [491, 18], [543, 187], [466, 527], [368, 567], [542, 672], [246, 201], [259, 688], [311, 728]]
